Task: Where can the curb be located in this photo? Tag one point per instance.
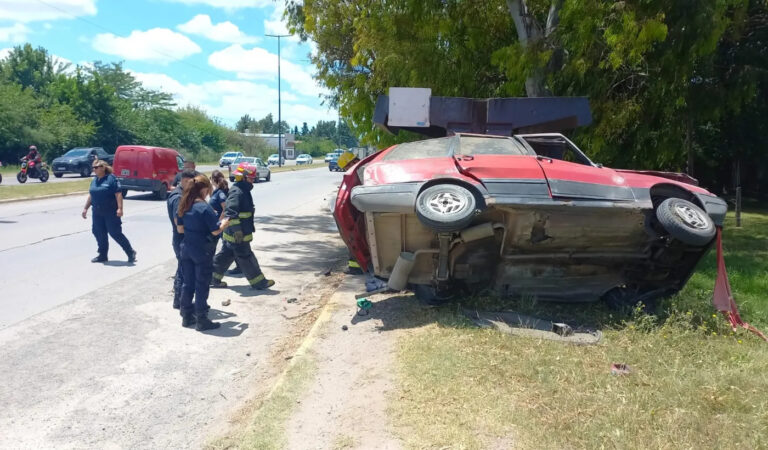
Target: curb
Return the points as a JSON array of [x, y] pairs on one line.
[[42, 197]]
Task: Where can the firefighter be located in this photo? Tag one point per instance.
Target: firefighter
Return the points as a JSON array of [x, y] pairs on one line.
[[187, 177], [236, 245], [347, 160]]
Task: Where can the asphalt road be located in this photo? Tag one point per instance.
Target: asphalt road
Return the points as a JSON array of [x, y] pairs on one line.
[[46, 246], [10, 179]]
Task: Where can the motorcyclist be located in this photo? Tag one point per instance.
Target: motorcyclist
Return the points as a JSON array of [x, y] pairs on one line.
[[34, 156]]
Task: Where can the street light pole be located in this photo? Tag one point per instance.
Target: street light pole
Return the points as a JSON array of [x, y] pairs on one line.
[[279, 106]]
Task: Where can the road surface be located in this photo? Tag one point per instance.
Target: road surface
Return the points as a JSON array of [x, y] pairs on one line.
[[95, 357]]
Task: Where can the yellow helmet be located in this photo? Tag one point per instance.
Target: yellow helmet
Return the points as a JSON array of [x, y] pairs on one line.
[[345, 158]]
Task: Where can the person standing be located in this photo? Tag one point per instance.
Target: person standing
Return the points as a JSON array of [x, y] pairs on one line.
[[237, 238], [198, 222], [218, 202], [107, 201], [187, 176], [188, 165]]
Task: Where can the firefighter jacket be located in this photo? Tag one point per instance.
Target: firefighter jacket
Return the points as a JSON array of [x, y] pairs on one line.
[[239, 209]]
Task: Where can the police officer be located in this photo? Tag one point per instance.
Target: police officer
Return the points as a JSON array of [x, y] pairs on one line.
[[199, 224], [237, 238], [173, 206], [107, 201], [345, 161]]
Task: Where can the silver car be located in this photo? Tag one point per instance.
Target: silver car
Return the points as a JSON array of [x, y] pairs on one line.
[[262, 170]]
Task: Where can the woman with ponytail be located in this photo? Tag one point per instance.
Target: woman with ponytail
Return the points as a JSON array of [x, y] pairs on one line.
[[199, 223]]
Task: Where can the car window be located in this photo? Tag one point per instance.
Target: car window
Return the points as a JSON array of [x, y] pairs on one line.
[[556, 147], [101, 152], [431, 148], [76, 152], [476, 145], [180, 162]]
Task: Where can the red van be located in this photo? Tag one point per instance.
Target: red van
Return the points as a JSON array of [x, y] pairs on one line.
[[142, 168]]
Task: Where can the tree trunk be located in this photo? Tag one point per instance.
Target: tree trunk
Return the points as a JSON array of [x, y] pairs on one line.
[[530, 33]]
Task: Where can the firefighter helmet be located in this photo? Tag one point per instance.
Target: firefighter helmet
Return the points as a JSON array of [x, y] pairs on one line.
[[243, 171]]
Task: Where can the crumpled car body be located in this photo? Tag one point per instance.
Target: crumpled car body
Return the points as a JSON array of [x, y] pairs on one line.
[[526, 215]]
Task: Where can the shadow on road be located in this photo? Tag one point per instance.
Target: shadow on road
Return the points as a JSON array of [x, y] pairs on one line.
[[303, 255]]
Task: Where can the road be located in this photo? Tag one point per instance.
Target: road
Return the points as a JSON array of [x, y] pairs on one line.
[[95, 357], [10, 179]]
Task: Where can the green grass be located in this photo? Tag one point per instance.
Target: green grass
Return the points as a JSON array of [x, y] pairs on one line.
[[694, 383]]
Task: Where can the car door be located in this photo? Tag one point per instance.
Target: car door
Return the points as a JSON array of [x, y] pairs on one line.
[[570, 174]]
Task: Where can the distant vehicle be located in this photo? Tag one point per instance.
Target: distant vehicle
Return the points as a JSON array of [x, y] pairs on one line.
[[333, 164], [142, 168], [262, 170], [303, 159], [31, 169], [272, 160], [227, 158], [336, 153], [79, 160]]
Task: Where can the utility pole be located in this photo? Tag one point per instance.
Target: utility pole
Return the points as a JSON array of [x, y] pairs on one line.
[[279, 106]]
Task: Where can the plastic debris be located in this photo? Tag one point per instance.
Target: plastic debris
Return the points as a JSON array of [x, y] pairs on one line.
[[620, 369]]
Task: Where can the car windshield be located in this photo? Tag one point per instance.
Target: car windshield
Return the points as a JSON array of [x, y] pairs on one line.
[[430, 148], [229, 155], [477, 145], [76, 152], [245, 159]]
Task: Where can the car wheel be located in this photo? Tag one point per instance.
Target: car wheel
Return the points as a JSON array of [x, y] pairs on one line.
[[445, 207], [162, 192], [231, 179], [85, 171], [430, 296], [686, 222], [57, 174], [124, 192], [269, 176]]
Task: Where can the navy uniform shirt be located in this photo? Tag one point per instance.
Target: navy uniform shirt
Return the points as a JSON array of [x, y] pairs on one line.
[[174, 197], [103, 192], [218, 197], [198, 223]]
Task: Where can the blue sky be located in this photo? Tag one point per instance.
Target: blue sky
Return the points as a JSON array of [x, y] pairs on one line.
[[209, 53]]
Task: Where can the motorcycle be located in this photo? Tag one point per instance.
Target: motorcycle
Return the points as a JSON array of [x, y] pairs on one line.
[[32, 169]]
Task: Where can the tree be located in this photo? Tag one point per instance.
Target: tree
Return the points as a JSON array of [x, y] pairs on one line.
[[304, 129], [29, 67]]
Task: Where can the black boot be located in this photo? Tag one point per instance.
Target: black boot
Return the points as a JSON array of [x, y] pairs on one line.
[[204, 323], [176, 300], [188, 321]]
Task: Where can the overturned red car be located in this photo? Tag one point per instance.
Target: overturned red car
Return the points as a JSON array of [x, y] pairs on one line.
[[523, 214]]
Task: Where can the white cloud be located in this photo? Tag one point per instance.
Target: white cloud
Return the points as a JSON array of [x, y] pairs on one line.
[[30, 11], [229, 100], [221, 32], [258, 63], [156, 45], [15, 34], [226, 4], [4, 52]]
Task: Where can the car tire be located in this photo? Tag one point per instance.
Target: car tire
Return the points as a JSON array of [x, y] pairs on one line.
[[58, 174], [231, 179], [162, 192], [445, 207], [85, 171], [124, 192], [686, 222], [269, 176]]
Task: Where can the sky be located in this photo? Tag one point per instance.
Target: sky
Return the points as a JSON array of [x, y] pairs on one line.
[[209, 53]]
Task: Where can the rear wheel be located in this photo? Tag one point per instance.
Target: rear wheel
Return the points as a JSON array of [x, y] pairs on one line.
[[686, 222], [85, 171], [57, 174], [162, 192], [445, 207], [269, 176]]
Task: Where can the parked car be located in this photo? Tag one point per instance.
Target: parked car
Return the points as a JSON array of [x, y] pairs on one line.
[[272, 160], [333, 165], [142, 168], [526, 215], [336, 153], [262, 170], [227, 158], [79, 160], [303, 159]]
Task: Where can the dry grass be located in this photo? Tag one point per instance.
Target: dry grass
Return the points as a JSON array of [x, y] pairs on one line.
[[694, 383]]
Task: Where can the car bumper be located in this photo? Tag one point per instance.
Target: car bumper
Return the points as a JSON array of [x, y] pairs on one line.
[[67, 167], [138, 184]]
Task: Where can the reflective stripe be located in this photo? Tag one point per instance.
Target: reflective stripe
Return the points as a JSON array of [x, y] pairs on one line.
[[230, 238], [234, 222], [218, 276], [245, 215], [253, 281], [353, 264]]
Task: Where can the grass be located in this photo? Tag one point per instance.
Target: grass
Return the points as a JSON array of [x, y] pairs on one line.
[[34, 188], [694, 383]]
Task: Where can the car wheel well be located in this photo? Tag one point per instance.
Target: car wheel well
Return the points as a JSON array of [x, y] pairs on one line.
[[479, 199], [661, 192]]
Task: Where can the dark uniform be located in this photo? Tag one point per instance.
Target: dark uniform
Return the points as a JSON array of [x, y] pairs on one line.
[[105, 220], [197, 250], [174, 197], [237, 238]]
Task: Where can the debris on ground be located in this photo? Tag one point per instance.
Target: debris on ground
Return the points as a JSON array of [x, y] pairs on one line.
[[620, 369], [363, 306], [292, 300], [518, 324], [344, 327], [226, 302]]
